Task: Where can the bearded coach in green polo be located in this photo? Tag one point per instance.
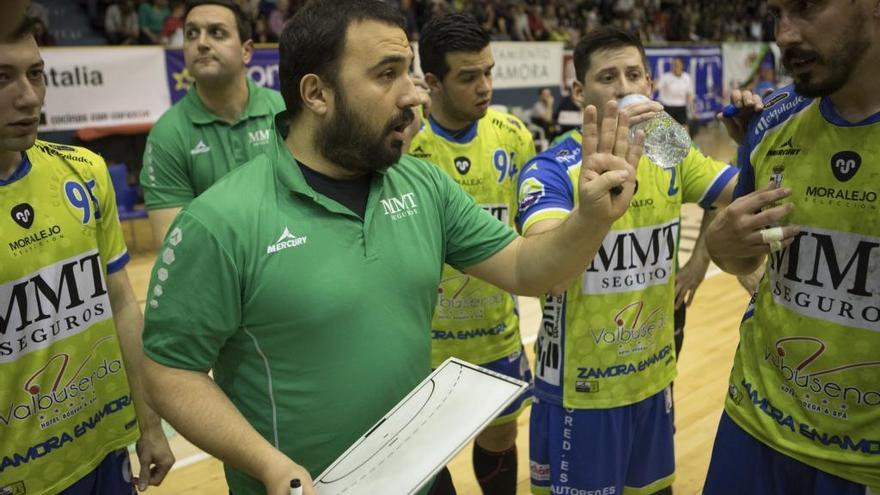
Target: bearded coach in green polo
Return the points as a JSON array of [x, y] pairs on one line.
[[306, 279], [223, 121]]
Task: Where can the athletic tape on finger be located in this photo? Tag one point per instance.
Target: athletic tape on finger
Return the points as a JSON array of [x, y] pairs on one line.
[[775, 246], [772, 234]]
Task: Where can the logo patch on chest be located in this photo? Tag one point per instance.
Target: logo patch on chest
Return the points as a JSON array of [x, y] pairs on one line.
[[462, 164], [845, 164], [23, 215]]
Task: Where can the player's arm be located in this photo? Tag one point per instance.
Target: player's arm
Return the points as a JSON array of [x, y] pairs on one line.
[[193, 403], [153, 451], [535, 264], [165, 178], [691, 275], [542, 227], [160, 220], [711, 184]]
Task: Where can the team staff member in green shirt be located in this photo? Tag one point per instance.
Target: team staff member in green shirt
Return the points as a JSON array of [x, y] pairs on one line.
[[306, 279], [223, 121]]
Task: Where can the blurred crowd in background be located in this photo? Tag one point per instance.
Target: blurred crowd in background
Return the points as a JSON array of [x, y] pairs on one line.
[[127, 22]]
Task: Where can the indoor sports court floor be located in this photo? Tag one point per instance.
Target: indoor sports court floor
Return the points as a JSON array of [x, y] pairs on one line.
[[711, 337]]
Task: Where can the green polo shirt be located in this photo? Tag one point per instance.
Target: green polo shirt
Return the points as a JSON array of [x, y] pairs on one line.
[[314, 321], [189, 148]]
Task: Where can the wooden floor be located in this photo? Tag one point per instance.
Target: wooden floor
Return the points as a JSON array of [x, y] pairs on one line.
[[710, 342]]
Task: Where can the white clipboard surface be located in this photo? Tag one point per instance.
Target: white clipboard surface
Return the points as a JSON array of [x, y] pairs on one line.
[[404, 450]]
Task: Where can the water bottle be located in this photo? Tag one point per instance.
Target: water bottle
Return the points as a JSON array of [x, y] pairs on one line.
[[667, 143]]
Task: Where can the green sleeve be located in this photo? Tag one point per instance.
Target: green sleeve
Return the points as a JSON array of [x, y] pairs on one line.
[[165, 176], [471, 233], [194, 301]]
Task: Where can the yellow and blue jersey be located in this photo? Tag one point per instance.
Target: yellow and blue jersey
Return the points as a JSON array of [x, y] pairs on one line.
[[806, 377], [66, 401], [475, 320], [608, 340]]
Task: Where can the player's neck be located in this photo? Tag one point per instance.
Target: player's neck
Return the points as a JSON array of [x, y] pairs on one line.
[[447, 121], [860, 97], [301, 143], [226, 101], [9, 161]]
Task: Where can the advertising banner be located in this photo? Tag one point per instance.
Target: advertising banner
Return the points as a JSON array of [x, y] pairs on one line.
[[705, 66], [263, 69], [526, 65], [100, 86]]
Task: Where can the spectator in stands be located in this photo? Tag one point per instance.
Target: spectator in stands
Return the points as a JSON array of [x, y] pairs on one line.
[[521, 31], [541, 113], [262, 33], [568, 113], [224, 121], [121, 23], [278, 16], [172, 29], [676, 92], [250, 9], [151, 18], [536, 23]]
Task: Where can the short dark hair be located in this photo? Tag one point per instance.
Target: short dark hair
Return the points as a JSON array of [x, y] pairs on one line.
[[603, 38], [24, 29], [449, 33], [314, 38], [241, 22]]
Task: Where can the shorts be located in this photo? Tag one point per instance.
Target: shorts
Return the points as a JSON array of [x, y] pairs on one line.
[[111, 477], [622, 450], [741, 464], [516, 366]]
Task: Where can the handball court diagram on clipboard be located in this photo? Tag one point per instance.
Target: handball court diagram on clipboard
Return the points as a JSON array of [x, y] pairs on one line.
[[404, 450]]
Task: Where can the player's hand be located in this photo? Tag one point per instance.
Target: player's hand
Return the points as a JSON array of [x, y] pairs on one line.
[[688, 279], [154, 455], [642, 112], [608, 173], [278, 479], [748, 105], [736, 232]]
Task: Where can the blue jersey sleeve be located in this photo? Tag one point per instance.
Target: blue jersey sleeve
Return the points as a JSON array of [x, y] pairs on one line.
[[545, 191]]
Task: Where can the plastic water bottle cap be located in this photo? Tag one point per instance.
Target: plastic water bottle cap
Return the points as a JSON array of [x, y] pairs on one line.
[[631, 99]]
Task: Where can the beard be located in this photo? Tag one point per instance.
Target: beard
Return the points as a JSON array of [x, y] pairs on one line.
[[840, 63], [347, 141]]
